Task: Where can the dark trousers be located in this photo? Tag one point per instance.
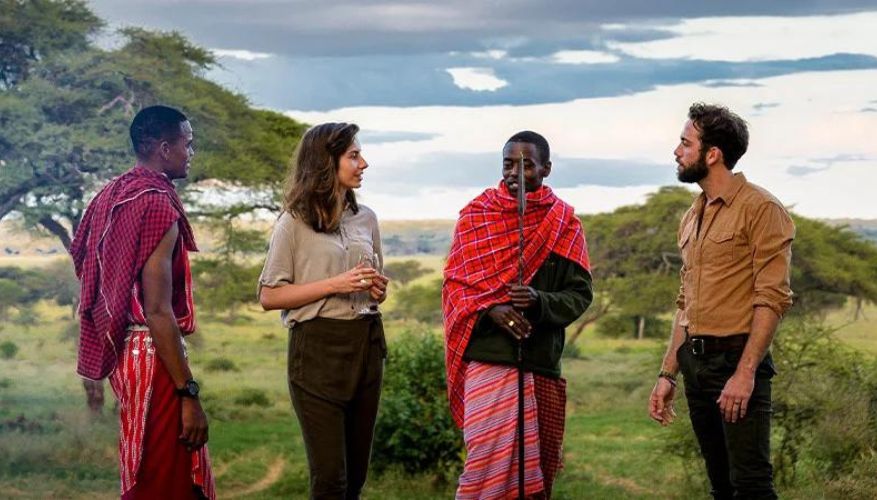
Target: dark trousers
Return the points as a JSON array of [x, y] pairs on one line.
[[335, 371], [737, 455]]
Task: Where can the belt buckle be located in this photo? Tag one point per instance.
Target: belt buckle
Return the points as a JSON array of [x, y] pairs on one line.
[[697, 347]]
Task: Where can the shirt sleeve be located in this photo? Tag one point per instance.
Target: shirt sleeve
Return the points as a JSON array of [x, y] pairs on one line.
[[571, 300], [681, 236], [680, 297], [279, 266], [771, 243]]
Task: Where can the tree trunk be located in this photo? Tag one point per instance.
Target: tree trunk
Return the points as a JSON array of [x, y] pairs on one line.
[[9, 199], [641, 328], [860, 312], [57, 229], [94, 394], [602, 310]]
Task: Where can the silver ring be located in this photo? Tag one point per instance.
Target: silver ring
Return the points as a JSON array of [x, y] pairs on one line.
[[511, 322]]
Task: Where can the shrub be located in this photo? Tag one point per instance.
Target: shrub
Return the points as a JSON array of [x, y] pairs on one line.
[[252, 397], [404, 271], [415, 430], [825, 404], [419, 302], [621, 326], [572, 351], [825, 414], [8, 349], [221, 365]]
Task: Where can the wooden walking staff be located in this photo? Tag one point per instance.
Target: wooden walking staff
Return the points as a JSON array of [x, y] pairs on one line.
[[522, 207]]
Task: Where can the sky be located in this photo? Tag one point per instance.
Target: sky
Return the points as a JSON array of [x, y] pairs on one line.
[[437, 88]]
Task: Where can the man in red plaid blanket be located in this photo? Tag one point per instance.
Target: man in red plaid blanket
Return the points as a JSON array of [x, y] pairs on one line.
[[486, 314], [131, 256]]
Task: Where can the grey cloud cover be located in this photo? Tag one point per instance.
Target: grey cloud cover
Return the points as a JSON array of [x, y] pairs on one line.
[[333, 54], [484, 170], [338, 28], [821, 164], [329, 83]]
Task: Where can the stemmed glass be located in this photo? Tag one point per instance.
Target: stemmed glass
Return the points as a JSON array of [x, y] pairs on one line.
[[370, 260]]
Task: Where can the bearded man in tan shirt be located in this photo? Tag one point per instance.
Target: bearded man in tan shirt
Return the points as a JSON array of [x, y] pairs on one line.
[[735, 243]]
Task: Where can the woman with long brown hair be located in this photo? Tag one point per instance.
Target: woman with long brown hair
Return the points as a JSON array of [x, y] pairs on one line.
[[322, 271]]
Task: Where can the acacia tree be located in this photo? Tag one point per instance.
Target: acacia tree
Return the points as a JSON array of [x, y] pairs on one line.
[[64, 115], [636, 261], [65, 106]]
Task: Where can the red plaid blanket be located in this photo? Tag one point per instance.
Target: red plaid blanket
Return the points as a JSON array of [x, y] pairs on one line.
[[483, 261], [119, 231]]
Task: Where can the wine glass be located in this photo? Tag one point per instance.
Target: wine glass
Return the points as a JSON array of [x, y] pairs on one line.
[[369, 260]]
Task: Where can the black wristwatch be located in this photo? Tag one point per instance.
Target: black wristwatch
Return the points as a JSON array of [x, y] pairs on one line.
[[190, 390]]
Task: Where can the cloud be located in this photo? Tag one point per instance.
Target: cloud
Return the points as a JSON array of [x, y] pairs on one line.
[[419, 203], [583, 57], [346, 28], [802, 170], [623, 144], [761, 106], [495, 54], [730, 83], [397, 80], [243, 55], [764, 38], [477, 79], [823, 164], [617, 173], [383, 136]]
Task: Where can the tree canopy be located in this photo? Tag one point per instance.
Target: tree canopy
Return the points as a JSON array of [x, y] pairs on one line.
[[66, 104], [636, 260]]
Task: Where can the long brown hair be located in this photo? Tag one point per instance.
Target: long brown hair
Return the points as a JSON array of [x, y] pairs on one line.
[[313, 191]]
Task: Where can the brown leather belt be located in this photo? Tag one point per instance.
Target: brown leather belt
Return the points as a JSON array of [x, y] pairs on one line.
[[708, 344]]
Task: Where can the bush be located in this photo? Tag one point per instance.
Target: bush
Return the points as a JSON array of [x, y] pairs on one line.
[[419, 302], [825, 403], [825, 414], [572, 351], [404, 271], [221, 365], [252, 397], [859, 484], [622, 326], [8, 349], [415, 430]]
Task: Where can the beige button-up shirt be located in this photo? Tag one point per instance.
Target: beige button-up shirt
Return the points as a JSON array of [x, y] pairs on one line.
[[736, 252], [298, 254]]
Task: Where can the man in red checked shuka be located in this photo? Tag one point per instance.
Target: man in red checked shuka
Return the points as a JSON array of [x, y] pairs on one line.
[[131, 256], [485, 315]]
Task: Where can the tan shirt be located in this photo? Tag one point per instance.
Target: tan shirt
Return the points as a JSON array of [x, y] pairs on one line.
[[298, 254], [737, 258]]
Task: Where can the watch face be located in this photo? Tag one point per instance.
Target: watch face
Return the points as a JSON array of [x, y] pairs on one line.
[[192, 388]]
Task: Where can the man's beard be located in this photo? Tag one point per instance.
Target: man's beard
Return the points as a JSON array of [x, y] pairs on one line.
[[694, 173]]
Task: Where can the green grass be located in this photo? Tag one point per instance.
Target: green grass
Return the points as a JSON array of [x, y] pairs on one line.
[[612, 449], [860, 333]]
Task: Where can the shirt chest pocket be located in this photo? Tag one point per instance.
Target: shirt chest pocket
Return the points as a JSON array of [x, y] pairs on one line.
[[718, 248]]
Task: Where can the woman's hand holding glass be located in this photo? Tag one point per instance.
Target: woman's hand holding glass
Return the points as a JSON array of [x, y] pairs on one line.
[[358, 279], [378, 288]]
